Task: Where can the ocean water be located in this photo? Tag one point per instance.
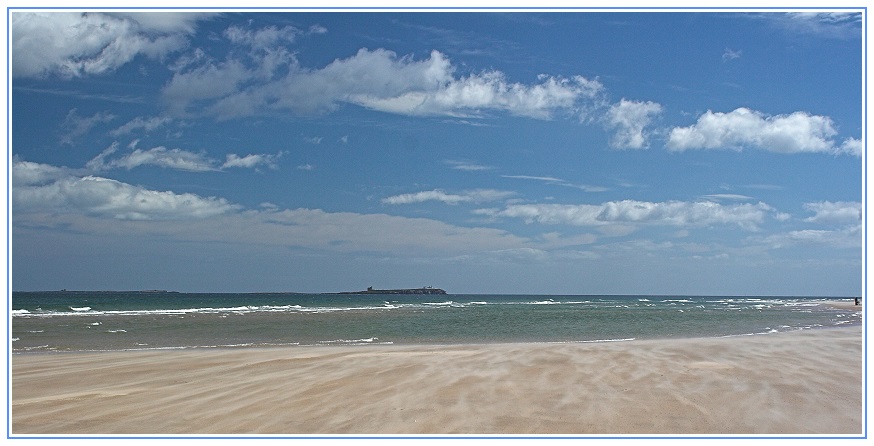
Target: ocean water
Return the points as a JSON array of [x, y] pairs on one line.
[[104, 321]]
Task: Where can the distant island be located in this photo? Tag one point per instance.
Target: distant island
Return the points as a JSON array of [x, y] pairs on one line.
[[423, 290]]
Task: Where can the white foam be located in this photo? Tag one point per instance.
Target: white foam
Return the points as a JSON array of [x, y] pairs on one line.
[[593, 341], [80, 308], [366, 341]]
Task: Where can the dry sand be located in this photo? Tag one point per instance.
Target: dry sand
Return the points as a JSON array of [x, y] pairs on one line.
[[808, 382]]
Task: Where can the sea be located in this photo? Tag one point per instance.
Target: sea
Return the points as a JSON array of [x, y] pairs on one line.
[[83, 321]]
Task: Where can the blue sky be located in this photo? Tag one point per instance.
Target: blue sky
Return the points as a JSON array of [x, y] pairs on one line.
[[481, 152]]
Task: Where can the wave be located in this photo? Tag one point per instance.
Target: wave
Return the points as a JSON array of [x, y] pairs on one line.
[[593, 341], [366, 341]]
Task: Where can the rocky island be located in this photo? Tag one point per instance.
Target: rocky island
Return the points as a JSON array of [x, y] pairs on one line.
[[423, 290]]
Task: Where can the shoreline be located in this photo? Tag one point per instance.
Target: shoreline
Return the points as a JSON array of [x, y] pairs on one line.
[[834, 303], [802, 382]]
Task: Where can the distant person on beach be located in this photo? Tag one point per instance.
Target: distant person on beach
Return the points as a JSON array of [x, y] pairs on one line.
[[858, 301]]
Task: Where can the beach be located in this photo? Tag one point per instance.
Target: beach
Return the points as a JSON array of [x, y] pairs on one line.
[[806, 382]]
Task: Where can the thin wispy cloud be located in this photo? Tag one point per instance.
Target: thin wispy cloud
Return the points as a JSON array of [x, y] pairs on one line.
[[76, 126], [731, 54], [469, 196], [467, 166], [671, 213], [178, 159], [558, 181]]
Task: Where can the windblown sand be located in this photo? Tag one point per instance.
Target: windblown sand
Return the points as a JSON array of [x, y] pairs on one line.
[[808, 382]]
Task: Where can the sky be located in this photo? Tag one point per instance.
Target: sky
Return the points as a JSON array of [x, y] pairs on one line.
[[585, 152]]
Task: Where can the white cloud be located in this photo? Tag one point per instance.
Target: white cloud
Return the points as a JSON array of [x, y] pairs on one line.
[[40, 188], [177, 159], [146, 124], [730, 54], [834, 212], [670, 213], [535, 178], [76, 126], [551, 240], [208, 81], [852, 146], [744, 128], [466, 165], [74, 44], [158, 156], [834, 24], [733, 197], [251, 160], [629, 118], [470, 196], [849, 237], [48, 196], [165, 21], [243, 85], [27, 173], [558, 181], [489, 91], [264, 38]]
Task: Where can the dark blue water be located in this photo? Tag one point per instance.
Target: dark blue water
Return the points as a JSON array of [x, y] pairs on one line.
[[97, 321]]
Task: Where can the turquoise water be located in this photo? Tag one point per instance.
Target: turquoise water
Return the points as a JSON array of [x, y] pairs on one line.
[[99, 321]]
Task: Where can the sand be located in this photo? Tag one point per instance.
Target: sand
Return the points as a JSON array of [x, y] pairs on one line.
[[807, 382]]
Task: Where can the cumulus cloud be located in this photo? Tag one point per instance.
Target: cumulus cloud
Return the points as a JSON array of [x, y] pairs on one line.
[[629, 119], [834, 212], [470, 196], [744, 128], [669, 213], [272, 79], [852, 146], [27, 173], [75, 44], [42, 188]]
